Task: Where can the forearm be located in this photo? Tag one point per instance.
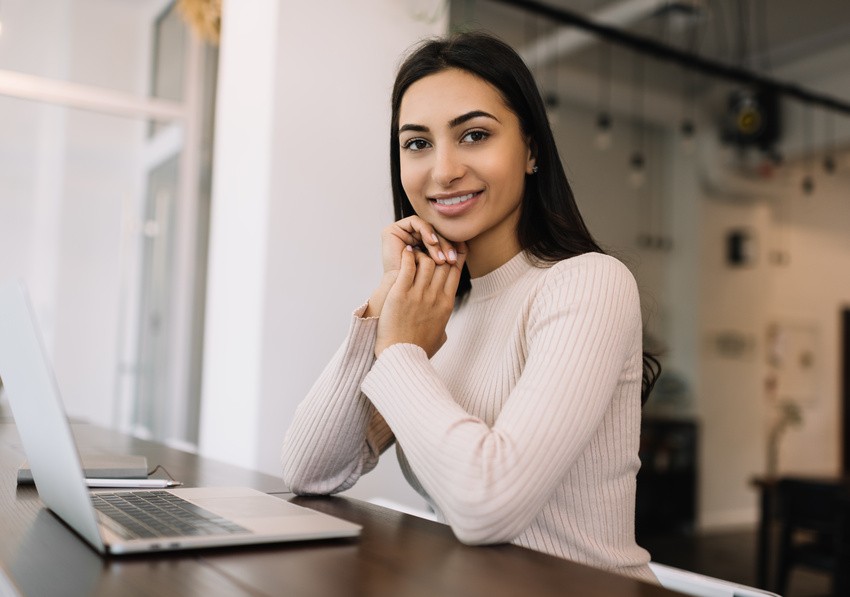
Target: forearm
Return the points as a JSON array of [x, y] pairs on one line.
[[471, 471], [336, 434], [491, 480]]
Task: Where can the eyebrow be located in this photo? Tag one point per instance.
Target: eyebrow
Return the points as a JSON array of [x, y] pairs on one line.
[[457, 121], [469, 116]]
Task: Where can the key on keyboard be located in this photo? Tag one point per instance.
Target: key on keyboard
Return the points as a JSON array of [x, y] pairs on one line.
[[146, 514]]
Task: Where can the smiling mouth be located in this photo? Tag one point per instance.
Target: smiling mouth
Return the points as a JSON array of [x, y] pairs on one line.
[[456, 200]]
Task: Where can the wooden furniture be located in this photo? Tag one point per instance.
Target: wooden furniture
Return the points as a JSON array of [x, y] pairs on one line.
[[812, 533], [667, 480], [810, 517], [396, 555]]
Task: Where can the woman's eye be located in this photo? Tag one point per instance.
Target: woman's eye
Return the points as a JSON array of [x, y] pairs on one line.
[[415, 144], [475, 136]]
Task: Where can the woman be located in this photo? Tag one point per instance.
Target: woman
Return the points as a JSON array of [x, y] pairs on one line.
[[501, 350]]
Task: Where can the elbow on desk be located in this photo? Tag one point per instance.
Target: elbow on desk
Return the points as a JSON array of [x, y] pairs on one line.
[[301, 478], [481, 536], [485, 531], [301, 483], [484, 518], [300, 486]]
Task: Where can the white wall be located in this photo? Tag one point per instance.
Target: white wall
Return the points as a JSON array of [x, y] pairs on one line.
[[813, 288], [326, 199]]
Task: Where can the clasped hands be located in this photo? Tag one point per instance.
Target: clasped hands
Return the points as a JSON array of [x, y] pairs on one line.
[[417, 292]]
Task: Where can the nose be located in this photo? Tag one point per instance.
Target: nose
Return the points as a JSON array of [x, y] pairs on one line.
[[448, 167]]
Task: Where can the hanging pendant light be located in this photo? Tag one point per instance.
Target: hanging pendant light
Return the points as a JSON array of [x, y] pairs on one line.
[[808, 182], [637, 170], [551, 98], [688, 131], [637, 161], [829, 156], [604, 136]]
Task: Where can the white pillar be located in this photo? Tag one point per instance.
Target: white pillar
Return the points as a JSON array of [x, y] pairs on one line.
[[237, 252]]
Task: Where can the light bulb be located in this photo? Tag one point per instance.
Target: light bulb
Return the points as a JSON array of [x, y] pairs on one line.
[[637, 171], [603, 131]]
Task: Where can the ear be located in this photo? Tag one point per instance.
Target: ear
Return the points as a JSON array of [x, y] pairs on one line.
[[531, 158]]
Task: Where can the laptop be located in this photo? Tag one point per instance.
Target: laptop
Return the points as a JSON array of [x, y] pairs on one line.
[[123, 522]]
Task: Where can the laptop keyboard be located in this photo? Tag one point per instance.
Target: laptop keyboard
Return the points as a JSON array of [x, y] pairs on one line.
[[150, 514]]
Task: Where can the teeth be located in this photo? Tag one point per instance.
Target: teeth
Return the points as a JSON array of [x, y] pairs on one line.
[[455, 200]]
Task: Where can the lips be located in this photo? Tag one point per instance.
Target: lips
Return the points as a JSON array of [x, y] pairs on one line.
[[455, 204], [455, 200]]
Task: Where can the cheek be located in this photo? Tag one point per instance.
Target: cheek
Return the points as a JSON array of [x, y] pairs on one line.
[[413, 181]]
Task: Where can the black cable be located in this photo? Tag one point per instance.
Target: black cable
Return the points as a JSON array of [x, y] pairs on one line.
[[163, 469], [637, 105], [688, 59], [604, 54]]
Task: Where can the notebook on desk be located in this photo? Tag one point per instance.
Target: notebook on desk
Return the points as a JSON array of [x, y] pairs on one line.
[[100, 466], [121, 522]]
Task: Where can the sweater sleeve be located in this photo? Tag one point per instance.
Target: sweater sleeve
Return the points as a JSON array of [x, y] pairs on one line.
[[491, 482], [337, 435]]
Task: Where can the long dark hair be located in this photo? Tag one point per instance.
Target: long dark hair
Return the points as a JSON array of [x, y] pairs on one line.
[[550, 226]]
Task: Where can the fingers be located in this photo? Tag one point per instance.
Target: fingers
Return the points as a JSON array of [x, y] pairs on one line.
[[402, 234], [407, 270], [419, 273], [439, 249], [417, 308], [453, 275], [425, 268]]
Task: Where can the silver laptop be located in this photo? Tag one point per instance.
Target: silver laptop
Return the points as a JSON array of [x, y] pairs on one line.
[[223, 516]]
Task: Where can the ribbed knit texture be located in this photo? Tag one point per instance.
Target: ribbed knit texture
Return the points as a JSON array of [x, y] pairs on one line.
[[523, 428]]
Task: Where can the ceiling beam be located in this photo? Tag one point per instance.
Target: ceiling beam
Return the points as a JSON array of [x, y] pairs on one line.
[[566, 40], [689, 60]]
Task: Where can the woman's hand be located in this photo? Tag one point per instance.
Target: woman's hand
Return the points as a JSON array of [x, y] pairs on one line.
[[415, 232], [420, 301], [408, 232]]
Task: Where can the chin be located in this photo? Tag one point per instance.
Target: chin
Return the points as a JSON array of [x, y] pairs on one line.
[[453, 234], [455, 238]]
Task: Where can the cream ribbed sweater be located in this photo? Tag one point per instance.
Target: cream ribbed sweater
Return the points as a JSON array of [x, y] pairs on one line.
[[523, 428]]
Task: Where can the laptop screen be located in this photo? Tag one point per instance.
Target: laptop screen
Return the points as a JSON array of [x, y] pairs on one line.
[[40, 416]]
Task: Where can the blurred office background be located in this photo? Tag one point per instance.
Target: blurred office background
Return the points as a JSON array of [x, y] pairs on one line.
[[197, 211]]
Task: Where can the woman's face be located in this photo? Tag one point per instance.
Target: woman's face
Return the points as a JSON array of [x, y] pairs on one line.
[[463, 159]]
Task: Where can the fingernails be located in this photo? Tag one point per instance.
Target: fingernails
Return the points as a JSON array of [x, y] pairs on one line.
[[452, 255], [409, 248], [441, 256], [433, 237]]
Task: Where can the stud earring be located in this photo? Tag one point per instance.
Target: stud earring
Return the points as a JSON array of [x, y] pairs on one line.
[[534, 169]]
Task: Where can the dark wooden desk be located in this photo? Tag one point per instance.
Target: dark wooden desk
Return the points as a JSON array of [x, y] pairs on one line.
[[396, 555]]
